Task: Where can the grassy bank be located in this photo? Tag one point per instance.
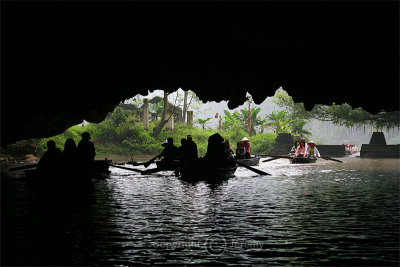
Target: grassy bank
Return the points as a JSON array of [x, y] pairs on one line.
[[130, 138]]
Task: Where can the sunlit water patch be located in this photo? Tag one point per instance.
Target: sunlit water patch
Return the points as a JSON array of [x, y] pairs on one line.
[[324, 213]]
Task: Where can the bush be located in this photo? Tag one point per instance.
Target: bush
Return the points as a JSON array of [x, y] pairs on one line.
[[262, 143]]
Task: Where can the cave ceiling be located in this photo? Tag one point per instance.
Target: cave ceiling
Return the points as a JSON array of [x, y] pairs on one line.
[[63, 62]]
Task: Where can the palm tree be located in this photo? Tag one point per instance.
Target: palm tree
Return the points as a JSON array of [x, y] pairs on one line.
[[278, 122], [298, 128]]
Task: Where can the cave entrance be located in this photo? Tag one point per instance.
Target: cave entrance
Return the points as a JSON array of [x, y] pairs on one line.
[[137, 126]]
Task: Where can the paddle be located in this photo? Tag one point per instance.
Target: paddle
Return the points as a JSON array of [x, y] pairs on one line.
[[147, 164], [269, 159], [277, 157], [23, 167], [329, 158], [125, 168], [251, 168]]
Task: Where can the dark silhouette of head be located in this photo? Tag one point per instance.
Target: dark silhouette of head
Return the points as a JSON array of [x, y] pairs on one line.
[[189, 137], [183, 141], [51, 144], [86, 136], [170, 141]]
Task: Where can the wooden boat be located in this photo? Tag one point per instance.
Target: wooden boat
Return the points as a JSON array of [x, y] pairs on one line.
[[301, 160], [199, 171], [99, 169], [253, 161]]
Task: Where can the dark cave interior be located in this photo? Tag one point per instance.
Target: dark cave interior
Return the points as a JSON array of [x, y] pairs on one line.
[[63, 62]]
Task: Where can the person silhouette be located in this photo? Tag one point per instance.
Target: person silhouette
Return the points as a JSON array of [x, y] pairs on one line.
[[190, 149], [85, 149], [51, 159], [70, 153]]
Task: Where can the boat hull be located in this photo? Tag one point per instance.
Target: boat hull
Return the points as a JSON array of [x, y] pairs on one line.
[[254, 161], [99, 169], [301, 160]]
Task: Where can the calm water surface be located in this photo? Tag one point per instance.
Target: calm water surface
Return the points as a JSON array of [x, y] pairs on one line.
[[319, 214]]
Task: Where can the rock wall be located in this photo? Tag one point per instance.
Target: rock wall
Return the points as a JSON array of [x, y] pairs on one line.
[[380, 151], [332, 150]]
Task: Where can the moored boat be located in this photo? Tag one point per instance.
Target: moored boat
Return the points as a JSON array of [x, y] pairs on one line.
[[301, 160], [253, 161]]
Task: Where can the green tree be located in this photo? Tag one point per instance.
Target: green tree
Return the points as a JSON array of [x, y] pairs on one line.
[[342, 114], [278, 122], [203, 122]]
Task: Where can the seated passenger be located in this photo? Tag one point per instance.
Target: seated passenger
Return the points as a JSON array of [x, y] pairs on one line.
[[181, 150], [85, 149], [51, 159], [70, 153], [190, 149], [240, 151], [301, 150], [216, 155], [228, 149], [246, 144], [294, 148], [312, 151]]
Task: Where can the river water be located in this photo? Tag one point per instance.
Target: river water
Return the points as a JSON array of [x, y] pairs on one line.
[[326, 213]]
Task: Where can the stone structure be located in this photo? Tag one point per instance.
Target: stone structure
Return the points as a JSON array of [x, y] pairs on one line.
[[377, 148], [332, 150], [283, 144]]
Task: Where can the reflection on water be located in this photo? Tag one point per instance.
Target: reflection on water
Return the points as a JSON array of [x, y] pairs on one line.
[[325, 213]]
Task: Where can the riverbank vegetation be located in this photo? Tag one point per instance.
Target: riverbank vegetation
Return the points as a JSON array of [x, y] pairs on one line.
[[125, 132]]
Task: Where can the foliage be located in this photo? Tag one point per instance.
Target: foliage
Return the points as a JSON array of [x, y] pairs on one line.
[[342, 114], [278, 122], [262, 143], [203, 122], [231, 120], [241, 119]]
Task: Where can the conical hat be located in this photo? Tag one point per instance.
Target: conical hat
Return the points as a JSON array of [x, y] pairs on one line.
[[311, 143], [245, 139]]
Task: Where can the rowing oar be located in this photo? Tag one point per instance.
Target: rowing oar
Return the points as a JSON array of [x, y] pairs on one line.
[[147, 164], [252, 169], [329, 158], [23, 167], [277, 157], [125, 168]]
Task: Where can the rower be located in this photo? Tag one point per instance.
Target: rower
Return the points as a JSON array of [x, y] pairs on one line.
[[246, 144], [169, 153]]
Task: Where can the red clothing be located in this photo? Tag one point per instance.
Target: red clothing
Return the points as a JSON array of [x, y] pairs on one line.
[[246, 145]]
